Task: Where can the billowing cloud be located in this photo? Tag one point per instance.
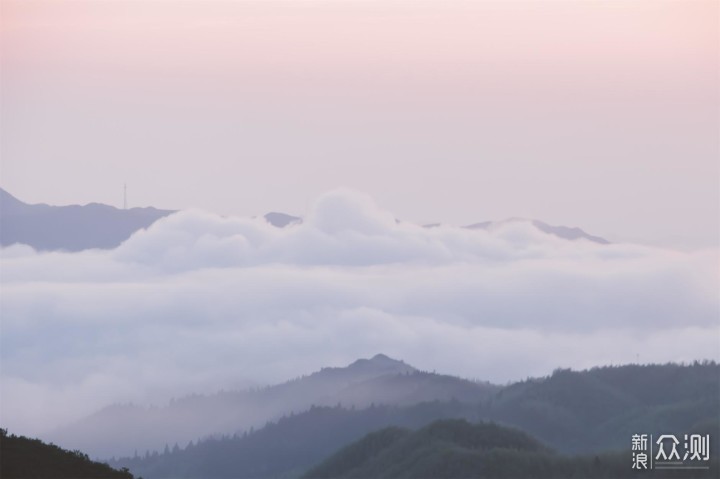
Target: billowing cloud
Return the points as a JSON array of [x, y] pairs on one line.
[[200, 302]]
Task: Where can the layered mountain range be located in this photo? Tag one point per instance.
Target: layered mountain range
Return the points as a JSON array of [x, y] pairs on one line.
[[571, 412], [302, 421], [379, 380]]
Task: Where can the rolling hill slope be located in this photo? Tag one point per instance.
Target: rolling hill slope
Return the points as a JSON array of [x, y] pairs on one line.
[[25, 458], [379, 380], [458, 449], [584, 412]]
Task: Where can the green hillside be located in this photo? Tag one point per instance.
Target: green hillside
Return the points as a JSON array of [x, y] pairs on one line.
[[599, 409], [458, 449]]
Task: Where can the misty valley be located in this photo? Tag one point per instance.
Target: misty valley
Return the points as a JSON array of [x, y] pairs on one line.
[[154, 304]]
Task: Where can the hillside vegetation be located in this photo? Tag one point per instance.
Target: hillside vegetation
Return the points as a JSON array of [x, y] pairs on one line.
[[587, 412], [458, 449], [25, 458]]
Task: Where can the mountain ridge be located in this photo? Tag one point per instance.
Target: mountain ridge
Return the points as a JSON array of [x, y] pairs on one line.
[[455, 448], [378, 380], [564, 232], [99, 226], [70, 228]]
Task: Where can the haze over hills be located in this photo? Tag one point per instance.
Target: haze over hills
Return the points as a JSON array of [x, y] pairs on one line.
[[379, 380], [285, 448], [95, 225], [586, 412], [206, 302]]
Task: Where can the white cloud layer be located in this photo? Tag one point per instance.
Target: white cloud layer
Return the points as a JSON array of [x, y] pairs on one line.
[[199, 302]]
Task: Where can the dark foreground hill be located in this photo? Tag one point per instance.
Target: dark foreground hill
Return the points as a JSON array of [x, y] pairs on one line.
[[458, 449], [24, 458]]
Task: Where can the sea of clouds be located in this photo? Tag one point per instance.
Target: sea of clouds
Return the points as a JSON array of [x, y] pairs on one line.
[[199, 302]]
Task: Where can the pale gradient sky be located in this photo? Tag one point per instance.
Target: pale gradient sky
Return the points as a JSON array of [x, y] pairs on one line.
[[601, 114]]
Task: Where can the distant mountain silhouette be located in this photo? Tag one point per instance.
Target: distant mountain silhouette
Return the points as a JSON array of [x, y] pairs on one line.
[[379, 380], [70, 228], [563, 232], [95, 225], [281, 220], [25, 458]]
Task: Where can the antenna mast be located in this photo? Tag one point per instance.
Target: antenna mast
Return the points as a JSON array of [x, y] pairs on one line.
[[125, 196]]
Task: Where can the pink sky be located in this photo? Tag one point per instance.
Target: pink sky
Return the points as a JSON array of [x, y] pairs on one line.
[[601, 114]]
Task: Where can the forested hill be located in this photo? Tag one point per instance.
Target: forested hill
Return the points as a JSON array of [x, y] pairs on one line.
[[286, 448], [586, 412], [379, 380], [458, 449], [25, 458]]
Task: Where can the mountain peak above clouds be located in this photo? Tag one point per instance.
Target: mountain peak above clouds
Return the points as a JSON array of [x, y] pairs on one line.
[[71, 227], [281, 220], [564, 232], [9, 204], [96, 225]]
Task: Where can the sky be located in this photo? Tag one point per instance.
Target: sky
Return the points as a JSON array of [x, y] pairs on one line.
[[353, 114], [598, 114]]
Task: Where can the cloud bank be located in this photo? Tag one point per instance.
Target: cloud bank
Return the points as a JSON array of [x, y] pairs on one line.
[[199, 302]]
